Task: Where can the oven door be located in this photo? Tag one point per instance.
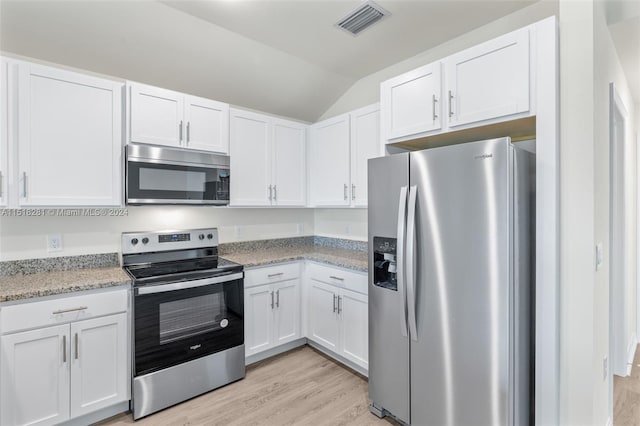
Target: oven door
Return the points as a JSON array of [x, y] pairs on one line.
[[157, 175], [178, 322]]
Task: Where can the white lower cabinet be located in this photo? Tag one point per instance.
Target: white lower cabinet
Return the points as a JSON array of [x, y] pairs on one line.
[[338, 312], [272, 307], [60, 372]]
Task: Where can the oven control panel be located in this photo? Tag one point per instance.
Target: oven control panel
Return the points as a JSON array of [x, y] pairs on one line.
[[146, 242]]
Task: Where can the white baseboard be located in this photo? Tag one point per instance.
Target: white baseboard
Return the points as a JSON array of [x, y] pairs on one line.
[[99, 415], [252, 359], [631, 352]]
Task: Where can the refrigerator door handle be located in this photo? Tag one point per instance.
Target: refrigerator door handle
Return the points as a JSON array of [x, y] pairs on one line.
[[402, 227], [411, 264]]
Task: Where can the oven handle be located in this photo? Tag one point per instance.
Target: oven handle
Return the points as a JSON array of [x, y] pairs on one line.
[[189, 284]]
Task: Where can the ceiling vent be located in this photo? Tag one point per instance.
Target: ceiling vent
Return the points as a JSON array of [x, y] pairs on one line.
[[361, 18]]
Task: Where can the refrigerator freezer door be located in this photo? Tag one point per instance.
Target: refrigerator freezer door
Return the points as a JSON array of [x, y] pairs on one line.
[[388, 347], [460, 361]]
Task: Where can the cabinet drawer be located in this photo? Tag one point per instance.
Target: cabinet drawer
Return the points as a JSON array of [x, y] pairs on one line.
[[339, 277], [65, 309], [271, 274]]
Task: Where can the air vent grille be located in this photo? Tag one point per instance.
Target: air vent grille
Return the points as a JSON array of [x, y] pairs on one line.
[[361, 18]]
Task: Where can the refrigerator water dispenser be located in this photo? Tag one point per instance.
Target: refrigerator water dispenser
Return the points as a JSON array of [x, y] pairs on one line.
[[384, 261]]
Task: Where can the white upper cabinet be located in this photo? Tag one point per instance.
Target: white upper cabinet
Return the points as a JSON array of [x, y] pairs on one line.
[[250, 159], [289, 171], [69, 138], [485, 84], [164, 117], [4, 130], [329, 161], [490, 80], [339, 150], [365, 144], [267, 160], [412, 102], [207, 124]]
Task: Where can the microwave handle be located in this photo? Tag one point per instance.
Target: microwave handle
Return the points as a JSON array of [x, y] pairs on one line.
[[189, 284]]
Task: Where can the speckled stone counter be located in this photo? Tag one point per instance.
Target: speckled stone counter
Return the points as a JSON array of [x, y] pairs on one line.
[[261, 253], [25, 279]]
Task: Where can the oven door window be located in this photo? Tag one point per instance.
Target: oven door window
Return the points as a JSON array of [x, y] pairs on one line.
[[171, 183], [181, 325]]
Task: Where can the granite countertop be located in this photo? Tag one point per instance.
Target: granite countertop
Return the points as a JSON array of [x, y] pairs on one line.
[[47, 277], [345, 258]]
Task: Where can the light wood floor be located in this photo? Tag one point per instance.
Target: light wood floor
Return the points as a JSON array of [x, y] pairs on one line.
[[626, 396], [300, 387]]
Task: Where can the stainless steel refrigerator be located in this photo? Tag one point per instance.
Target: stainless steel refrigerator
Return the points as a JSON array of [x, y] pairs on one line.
[[450, 285]]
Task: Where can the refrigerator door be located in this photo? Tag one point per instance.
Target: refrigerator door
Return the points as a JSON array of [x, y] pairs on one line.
[[388, 340], [460, 361]]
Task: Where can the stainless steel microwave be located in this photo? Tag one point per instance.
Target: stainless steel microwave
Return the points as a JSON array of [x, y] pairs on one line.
[[165, 175]]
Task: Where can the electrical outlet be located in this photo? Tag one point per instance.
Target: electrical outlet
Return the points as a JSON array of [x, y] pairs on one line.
[[54, 242], [300, 228], [605, 368], [347, 229], [599, 256]]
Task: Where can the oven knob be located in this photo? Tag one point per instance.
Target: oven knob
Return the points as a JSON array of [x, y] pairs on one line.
[[145, 240], [209, 236], [201, 236], [134, 241]]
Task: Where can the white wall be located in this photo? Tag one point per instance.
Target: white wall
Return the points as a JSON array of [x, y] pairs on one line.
[[367, 90], [341, 223], [25, 237]]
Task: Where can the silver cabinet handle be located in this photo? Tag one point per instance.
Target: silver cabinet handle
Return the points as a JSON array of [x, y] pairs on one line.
[[336, 278], [278, 298], [402, 228], [24, 184], [353, 191], [275, 193], [339, 304], [64, 311], [188, 131], [334, 303], [435, 101], [346, 197], [64, 348], [450, 104], [270, 192], [275, 275], [271, 300], [180, 131], [76, 345], [411, 264]]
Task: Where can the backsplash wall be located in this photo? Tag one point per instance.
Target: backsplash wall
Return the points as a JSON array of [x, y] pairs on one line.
[[26, 237]]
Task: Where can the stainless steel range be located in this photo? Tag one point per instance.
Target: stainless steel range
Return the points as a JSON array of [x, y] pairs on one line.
[[188, 316]]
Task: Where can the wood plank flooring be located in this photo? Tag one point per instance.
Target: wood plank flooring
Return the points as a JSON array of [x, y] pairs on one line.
[[626, 396], [300, 387]]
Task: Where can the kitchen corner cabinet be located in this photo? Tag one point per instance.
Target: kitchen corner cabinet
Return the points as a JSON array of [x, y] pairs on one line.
[[69, 138], [339, 149], [267, 160], [59, 372], [164, 117], [338, 312], [272, 307]]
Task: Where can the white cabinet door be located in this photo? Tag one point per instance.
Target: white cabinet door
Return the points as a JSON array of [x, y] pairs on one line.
[[155, 115], [289, 159], [258, 318], [490, 80], [329, 162], [411, 102], [207, 124], [4, 130], [34, 366], [69, 138], [365, 144], [99, 373], [287, 309], [324, 324], [355, 328], [250, 159]]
